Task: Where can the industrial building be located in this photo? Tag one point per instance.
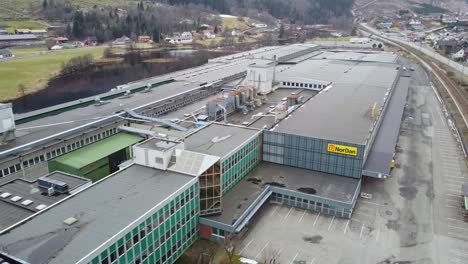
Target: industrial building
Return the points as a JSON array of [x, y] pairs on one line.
[[300, 129]]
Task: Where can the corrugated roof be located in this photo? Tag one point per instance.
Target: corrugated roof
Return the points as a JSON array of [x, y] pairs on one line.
[[101, 149]]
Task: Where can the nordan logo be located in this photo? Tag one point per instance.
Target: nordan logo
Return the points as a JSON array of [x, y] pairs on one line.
[[340, 149]]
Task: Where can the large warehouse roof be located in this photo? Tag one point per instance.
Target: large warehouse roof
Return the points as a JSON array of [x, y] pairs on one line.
[[102, 211], [342, 112], [218, 139]]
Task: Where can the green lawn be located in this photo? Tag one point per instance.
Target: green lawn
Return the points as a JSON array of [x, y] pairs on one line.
[[15, 24], [234, 23], [33, 69]]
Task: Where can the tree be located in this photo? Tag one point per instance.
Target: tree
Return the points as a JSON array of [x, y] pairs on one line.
[[374, 46], [281, 31], [230, 249], [44, 4], [380, 45], [156, 35]]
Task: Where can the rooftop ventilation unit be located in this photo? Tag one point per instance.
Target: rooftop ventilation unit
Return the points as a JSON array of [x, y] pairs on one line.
[[45, 183], [70, 221]]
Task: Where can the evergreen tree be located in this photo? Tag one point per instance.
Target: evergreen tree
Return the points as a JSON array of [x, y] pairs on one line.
[[44, 4]]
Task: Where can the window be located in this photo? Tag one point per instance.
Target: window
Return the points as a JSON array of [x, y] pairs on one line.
[[113, 256], [105, 260], [121, 250], [129, 244], [135, 239], [142, 233]]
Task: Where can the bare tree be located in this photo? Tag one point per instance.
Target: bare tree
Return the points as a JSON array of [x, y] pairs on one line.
[[230, 248], [271, 256]]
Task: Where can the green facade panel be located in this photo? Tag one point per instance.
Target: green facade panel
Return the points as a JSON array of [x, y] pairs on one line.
[[235, 167]]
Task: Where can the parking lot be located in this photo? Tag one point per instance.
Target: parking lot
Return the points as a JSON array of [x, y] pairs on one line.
[[316, 238]]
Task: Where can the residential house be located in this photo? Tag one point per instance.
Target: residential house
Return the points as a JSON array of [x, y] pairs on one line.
[[91, 41], [415, 24], [447, 45], [60, 40], [208, 34], [122, 41], [144, 38], [384, 25], [5, 54]]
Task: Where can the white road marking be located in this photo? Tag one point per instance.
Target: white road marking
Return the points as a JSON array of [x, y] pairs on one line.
[[456, 252], [378, 234], [451, 206], [292, 261], [302, 215], [331, 223], [346, 227], [457, 227], [280, 251], [274, 211], [313, 261], [367, 202], [246, 246], [287, 214], [316, 218], [256, 257], [362, 230], [456, 177]]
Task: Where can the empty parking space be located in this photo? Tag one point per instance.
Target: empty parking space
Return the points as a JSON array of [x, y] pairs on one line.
[[309, 235]]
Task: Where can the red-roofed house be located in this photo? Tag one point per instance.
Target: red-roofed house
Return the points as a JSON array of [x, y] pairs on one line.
[[144, 38]]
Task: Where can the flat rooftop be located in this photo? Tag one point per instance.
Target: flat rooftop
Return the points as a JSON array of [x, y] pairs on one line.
[[367, 56], [13, 212], [218, 139], [239, 198], [102, 211], [158, 144], [344, 111]]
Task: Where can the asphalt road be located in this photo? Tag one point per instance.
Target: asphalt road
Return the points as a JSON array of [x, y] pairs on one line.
[[413, 217]]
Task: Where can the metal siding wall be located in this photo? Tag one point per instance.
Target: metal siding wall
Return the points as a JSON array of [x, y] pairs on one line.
[[311, 153]]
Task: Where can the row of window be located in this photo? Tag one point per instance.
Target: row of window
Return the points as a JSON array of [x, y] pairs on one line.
[[310, 204], [239, 155], [304, 85], [236, 174], [57, 152]]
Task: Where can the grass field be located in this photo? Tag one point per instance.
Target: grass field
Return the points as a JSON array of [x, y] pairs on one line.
[[233, 22], [33, 69], [11, 25]]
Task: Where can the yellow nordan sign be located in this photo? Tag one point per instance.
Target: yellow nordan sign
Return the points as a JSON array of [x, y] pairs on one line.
[[340, 149]]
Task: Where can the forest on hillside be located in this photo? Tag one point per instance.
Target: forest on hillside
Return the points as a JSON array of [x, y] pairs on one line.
[[156, 17]]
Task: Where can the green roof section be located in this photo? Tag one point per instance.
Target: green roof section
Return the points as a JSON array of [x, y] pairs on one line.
[[97, 151]]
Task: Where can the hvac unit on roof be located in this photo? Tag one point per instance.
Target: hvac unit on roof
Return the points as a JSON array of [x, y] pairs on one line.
[[50, 191]]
